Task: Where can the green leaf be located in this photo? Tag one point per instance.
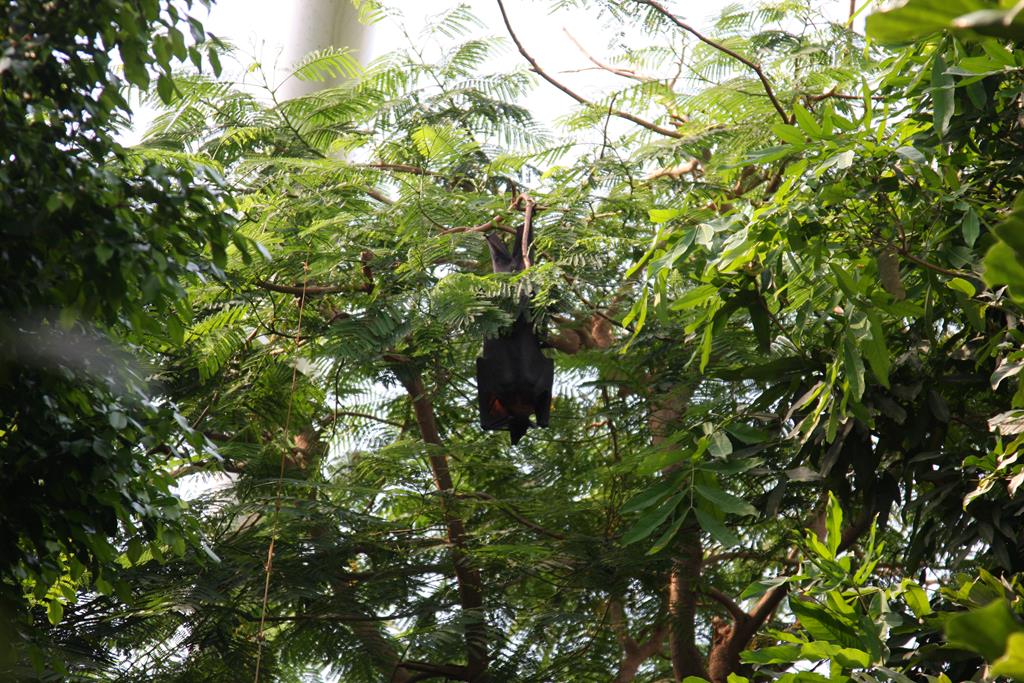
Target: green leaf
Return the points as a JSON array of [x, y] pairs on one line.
[[992, 22], [54, 611], [915, 19], [984, 630], [695, 297], [650, 496], [876, 350], [789, 134], [659, 216], [1011, 664], [916, 599], [853, 366], [776, 654], [806, 121], [718, 531], [823, 624], [669, 534], [165, 88], [646, 525], [705, 346], [958, 284], [719, 445], [942, 96], [724, 501], [1004, 267], [970, 227], [833, 524], [746, 433], [912, 154]]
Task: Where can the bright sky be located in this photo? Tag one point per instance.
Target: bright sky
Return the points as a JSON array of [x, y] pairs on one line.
[[266, 31]]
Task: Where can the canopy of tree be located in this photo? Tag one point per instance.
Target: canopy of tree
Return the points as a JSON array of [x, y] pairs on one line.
[[779, 271]]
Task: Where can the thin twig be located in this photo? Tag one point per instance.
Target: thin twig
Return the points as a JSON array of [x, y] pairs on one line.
[[314, 290], [368, 416], [493, 224], [754, 66], [513, 513], [579, 98], [625, 73]]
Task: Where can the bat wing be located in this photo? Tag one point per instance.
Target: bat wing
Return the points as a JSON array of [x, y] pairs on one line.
[[493, 414], [542, 389]]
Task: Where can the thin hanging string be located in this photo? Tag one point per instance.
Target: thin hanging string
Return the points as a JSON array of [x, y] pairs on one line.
[[280, 480]]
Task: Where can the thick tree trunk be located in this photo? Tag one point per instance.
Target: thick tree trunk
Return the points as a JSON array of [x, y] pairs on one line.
[[682, 601], [687, 553]]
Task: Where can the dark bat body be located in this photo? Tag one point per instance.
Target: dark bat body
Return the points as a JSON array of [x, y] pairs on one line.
[[513, 377]]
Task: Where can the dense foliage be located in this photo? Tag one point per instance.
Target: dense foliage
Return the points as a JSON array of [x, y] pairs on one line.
[[97, 247], [786, 434]]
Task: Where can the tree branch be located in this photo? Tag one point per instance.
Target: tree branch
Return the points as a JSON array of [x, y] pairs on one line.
[[314, 290], [493, 224], [755, 67], [579, 98], [730, 605], [466, 575]]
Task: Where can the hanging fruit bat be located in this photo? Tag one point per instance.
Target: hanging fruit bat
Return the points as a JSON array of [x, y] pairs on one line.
[[513, 377]]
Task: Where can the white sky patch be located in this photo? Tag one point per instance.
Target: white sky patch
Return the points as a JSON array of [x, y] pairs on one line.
[[262, 30]]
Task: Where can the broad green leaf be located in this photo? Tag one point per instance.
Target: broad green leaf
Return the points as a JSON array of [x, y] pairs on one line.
[[789, 134], [970, 227], [718, 531], [669, 534], [984, 630], [746, 433], [1011, 664], [912, 154], [724, 501], [806, 121], [1003, 266], [825, 625], [846, 657], [650, 521], [942, 96], [776, 654], [659, 216], [916, 599], [833, 524], [915, 19], [54, 611], [695, 297], [719, 445], [958, 284], [705, 346], [650, 496], [876, 350], [118, 420], [853, 366], [165, 88], [992, 22]]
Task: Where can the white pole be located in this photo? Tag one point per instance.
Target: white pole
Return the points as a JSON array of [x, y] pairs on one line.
[[316, 25]]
